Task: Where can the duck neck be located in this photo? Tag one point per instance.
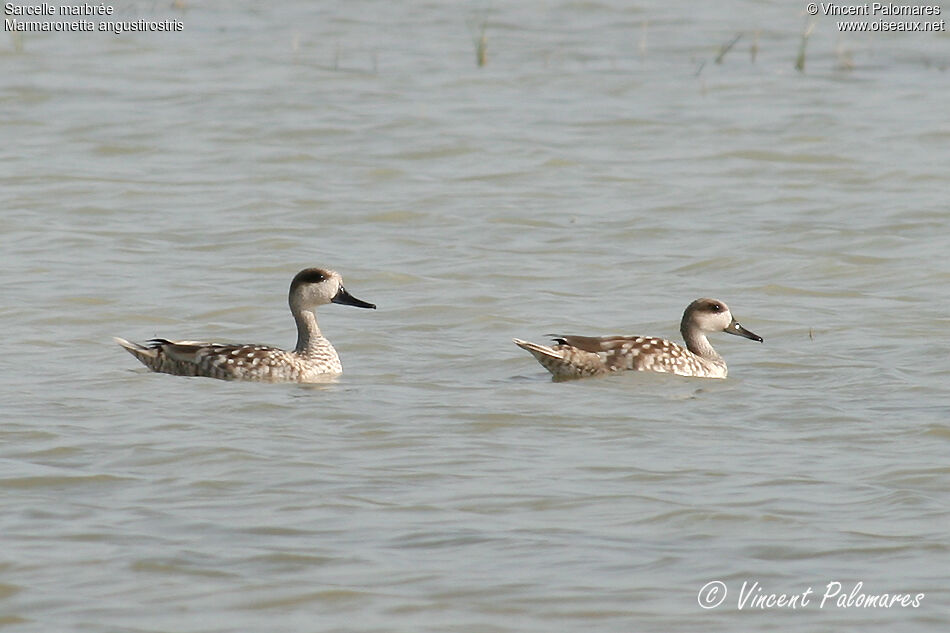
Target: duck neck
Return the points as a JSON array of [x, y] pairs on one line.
[[308, 332], [697, 343]]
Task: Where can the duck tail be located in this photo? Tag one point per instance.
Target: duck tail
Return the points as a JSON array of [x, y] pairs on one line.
[[144, 354], [541, 352]]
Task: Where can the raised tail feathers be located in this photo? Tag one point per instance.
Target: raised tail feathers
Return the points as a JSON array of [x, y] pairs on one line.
[[133, 348], [538, 351], [564, 361]]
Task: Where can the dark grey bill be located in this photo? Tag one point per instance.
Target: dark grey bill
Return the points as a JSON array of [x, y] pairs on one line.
[[738, 330], [344, 298]]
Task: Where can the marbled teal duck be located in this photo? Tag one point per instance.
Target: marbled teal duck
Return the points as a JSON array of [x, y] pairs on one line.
[[582, 356], [312, 360]]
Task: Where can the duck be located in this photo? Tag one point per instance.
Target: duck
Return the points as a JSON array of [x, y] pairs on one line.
[[312, 360], [573, 357]]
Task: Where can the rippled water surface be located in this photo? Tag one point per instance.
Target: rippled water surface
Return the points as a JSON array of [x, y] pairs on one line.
[[599, 172]]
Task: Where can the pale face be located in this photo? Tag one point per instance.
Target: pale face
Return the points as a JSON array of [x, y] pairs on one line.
[[314, 287], [712, 315]]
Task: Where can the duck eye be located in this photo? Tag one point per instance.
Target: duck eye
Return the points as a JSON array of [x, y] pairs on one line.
[[716, 307], [313, 277]]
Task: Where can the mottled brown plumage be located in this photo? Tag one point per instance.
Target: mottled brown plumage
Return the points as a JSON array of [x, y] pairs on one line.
[[312, 360], [582, 356]]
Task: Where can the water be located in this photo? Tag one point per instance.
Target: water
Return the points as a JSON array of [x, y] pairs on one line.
[[596, 175]]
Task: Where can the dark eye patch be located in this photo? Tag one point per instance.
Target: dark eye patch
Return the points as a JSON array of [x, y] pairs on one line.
[[314, 278], [310, 276]]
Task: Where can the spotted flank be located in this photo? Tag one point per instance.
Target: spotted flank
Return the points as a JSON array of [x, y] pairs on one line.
[[573, 357], [312, 360]]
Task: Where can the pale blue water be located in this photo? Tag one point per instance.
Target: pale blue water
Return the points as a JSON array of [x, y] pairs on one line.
[[600, 172]]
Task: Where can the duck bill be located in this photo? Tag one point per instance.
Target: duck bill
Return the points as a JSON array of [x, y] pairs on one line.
[[738, 330], [344, 298]]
